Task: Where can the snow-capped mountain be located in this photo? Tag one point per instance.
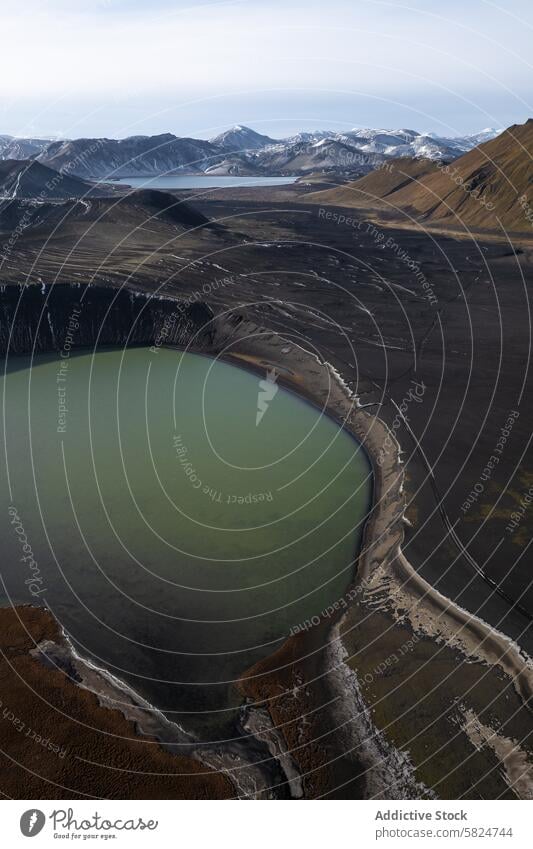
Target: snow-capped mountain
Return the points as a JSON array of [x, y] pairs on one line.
[[21, 148], [239, 150], [356, 151], [465, 143], [307, 138], [241, 138], [134, 156], [299, 158], [403, 142]]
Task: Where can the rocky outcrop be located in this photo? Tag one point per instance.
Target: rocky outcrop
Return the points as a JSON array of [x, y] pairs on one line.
[[45, 318]]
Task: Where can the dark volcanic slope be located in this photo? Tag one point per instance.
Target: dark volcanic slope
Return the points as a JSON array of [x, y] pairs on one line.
[[145, 238], [161, 205], [25, 179], [127, 214], [480, 189]]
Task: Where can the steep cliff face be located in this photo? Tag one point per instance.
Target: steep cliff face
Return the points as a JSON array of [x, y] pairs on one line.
[[52, 318]]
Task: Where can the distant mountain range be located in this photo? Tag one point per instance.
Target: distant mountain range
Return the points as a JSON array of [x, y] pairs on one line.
[[238, 151], [354, 151]]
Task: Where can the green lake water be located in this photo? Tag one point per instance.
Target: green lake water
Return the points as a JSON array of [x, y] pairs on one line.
[[176, 529]]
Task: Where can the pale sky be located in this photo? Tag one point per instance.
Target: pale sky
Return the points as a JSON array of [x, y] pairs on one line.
[[120, 67]]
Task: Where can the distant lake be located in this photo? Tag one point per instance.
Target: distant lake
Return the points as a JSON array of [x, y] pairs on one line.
[[197, 181]]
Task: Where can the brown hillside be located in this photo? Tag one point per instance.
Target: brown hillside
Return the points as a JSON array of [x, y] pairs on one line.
[[491, 184], [58, 741], [367, 192]]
